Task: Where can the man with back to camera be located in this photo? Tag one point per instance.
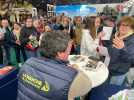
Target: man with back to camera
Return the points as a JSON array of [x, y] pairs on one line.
[[50, 77]]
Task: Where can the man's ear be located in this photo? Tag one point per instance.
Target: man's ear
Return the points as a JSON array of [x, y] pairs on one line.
[[60, 55]]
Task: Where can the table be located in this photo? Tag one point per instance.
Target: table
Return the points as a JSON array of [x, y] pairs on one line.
[[97, 75]]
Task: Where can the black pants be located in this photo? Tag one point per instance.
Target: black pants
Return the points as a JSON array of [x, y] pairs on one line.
[[20, 50]]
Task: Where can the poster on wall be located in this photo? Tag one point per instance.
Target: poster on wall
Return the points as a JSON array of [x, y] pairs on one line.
[[75, 10]]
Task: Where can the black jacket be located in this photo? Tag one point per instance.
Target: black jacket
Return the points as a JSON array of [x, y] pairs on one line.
[[25, 33]]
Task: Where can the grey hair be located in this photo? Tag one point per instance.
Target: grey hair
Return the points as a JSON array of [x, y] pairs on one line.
[[52, 43]]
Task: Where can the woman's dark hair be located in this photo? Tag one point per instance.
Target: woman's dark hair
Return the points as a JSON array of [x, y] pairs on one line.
[[17, 23]]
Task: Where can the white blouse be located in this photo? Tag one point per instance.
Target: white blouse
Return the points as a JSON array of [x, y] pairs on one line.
[[88, 44]]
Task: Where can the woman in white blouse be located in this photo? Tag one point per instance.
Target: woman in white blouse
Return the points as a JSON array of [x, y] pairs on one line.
[[91, 36]]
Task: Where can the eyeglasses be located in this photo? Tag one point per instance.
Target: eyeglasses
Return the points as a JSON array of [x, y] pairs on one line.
[[125, 25]]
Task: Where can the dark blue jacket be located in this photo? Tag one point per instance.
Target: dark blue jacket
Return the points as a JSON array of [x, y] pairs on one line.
[[122, 59], [45, 79]]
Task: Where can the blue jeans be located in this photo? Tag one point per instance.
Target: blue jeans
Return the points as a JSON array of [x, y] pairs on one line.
[[118, 80]]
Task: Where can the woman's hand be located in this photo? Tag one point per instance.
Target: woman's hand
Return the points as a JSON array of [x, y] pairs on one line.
[[118, 43], [17, 42], [101, 34]]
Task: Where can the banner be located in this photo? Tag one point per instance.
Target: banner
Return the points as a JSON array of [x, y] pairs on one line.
[[75, 10]]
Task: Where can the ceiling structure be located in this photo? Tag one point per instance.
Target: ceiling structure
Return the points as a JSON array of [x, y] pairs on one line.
[[87, 1], [40, 3]]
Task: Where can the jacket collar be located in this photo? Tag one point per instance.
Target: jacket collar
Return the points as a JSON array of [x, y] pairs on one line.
[[55, 60]]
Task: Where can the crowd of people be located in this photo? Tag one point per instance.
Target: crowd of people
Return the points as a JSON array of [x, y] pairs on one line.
[[37, 38], [20, 35]]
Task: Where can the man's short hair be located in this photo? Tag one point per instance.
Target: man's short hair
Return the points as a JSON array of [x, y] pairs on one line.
[[52, 43]]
